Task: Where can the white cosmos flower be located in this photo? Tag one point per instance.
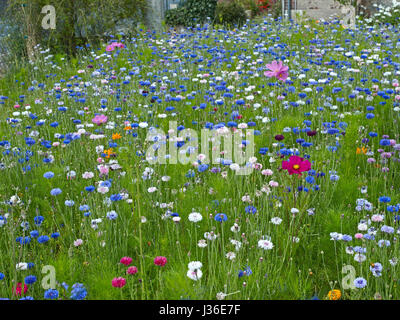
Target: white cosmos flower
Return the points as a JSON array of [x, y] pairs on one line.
[[151, 189]]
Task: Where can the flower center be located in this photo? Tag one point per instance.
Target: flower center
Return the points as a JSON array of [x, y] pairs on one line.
[[296, 166]]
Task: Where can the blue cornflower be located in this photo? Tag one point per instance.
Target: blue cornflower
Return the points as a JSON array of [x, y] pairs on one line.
[[43, 239], [78, 291], [55, 192], [360, 283], [38, 220], [69, 203], [112, 215], [34, 233], [30, 279], [251, 209], [48, 175], [376, 269], [51, 294], [310, 179], [202, 167], [384, 199], [220, 217]]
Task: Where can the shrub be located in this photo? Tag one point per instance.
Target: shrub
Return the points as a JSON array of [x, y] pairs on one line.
[[230, 12], [176, 17], [77, 22], [191, 12]]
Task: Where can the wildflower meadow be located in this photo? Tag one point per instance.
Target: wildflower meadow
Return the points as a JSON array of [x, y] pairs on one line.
[[252, 163]]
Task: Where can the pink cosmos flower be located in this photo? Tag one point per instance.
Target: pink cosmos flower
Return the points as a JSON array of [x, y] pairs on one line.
[[296, 165], [126, 261], [114, 45], [100, 119], [358, 236], [132, 270], [277, 70], [160, 261], [118, 282]]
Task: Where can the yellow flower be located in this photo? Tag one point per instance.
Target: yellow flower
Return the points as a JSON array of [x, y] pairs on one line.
[[362, 150], [334, 294], [116, 136]]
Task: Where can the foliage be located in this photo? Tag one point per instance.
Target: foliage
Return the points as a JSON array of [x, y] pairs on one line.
[[191, 12], [176, 17], [252, 6], [276, 8], [230, 13], [77, 22]]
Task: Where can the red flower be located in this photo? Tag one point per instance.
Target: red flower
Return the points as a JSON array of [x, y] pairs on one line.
[[132, 270], [296, 165], [118, 282], [126, 261], [18, 289], [160, 261]]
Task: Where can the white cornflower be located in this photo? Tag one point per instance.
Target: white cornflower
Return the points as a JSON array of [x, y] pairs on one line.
[[276, 220], [21, 266], [221, 295], [194, 265], [231, 255], [265, 244], [202, 243], [195, 217], [195, 274], [237, 244]]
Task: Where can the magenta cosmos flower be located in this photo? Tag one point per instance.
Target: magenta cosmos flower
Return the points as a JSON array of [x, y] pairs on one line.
[[296, 165], [100, 119], [118, 282], [160, 261], [277, 70]]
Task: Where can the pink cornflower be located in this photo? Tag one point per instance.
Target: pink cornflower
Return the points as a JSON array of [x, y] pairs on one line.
[[277, 70], [118, 282], [78, 242], [126, 261], [100, 119], [160, 261], [103, 170], [296, 165], [132, 270]]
